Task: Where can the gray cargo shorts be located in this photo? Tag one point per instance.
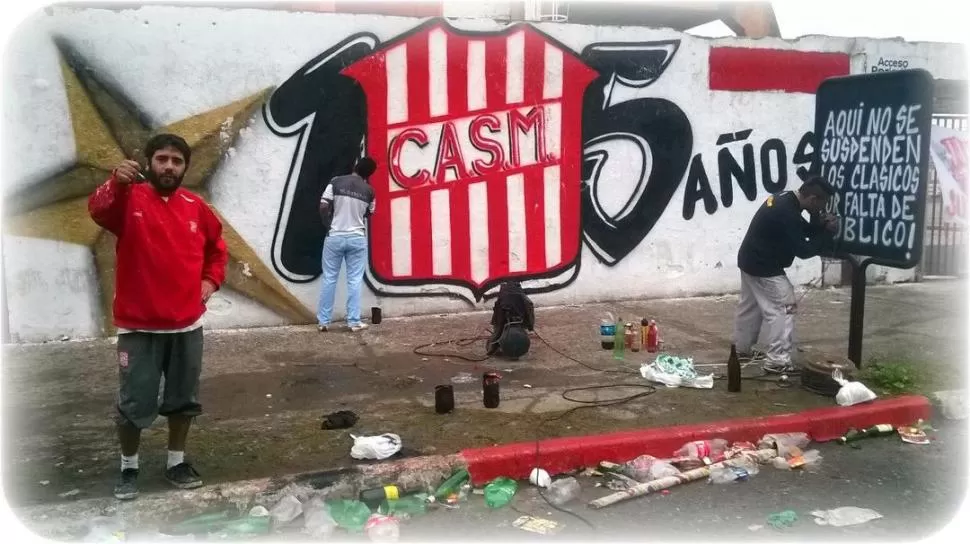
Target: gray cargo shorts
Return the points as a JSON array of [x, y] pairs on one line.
[[143, 358]]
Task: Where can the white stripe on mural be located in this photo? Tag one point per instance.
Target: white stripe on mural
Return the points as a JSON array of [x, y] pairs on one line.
[[438, 68], [552, 87], [518, 249], [476, 75], [440, 233], [396, 63], [552, 215], [478, 229], [553, 127], [514, 68], [401, 236]]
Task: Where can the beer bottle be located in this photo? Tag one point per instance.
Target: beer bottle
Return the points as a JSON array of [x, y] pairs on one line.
[[734, 371], [876, 430]]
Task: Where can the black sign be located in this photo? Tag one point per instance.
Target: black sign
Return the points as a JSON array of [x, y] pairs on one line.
[[874, 140]]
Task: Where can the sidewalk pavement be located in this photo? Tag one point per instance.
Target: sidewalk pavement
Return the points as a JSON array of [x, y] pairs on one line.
[[266, 390]]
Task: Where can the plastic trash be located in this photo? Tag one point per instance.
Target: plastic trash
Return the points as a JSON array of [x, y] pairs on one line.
[[223, 524], [811, 461], [675, 372], [286, 510], [788, 444], [726, 475], [105, 529], [375, 447], [846, 515], [317, 521], [780, 520], [349, 514], [780, 463], [406, 507], [540, 478], [452, 485], [647, 467], [463, 377], [562, 491], [379, 528], [750, 466], [703, 449], [851, 392], [500, 491]]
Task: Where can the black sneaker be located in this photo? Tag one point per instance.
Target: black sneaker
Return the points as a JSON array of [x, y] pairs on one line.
[[127, 487], [183, 476]]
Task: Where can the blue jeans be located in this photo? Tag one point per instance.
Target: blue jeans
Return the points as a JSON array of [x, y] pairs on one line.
[[337, 249]]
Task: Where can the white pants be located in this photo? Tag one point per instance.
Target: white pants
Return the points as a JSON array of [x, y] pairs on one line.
[[771, 302]]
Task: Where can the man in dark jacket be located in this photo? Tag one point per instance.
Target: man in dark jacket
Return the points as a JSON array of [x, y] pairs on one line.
[[512, 316], [777, 234]]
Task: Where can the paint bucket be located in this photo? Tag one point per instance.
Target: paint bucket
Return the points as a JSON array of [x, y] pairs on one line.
[[444, 399]]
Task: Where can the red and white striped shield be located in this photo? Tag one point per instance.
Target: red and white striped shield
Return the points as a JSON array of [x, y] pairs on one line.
[[477, 138]]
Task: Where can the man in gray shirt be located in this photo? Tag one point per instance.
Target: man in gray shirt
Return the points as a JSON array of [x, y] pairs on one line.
[[344, 206]]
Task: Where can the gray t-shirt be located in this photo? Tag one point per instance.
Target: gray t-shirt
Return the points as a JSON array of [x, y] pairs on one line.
[[352, 200]]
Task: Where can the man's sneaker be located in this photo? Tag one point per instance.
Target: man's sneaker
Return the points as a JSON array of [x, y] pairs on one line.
[[358, 327], [753, 355], [777, 367], [323, 328], [183, 476], [127, 487]]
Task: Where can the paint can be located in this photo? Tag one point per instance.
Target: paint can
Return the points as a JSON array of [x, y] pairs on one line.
[[444, 399], [375, 315], [490, 389]]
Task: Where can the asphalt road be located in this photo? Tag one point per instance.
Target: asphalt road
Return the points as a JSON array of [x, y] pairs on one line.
[[918, 489]]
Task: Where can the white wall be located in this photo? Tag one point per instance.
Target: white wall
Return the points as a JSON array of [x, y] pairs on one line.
[[173, 63]]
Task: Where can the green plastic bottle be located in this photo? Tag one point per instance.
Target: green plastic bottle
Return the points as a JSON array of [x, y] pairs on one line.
[[410, 506], [452, 485], [619, 337], [500, 491], [223, 523]]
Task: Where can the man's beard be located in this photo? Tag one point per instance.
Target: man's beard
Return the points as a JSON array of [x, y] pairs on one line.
[[164, 184]]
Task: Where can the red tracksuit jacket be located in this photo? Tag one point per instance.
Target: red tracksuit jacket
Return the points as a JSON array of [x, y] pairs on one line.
[[165, 249]]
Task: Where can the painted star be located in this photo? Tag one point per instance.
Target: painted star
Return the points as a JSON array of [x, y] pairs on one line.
[[107, 129]]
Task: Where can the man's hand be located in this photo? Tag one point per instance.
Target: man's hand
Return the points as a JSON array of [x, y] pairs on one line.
[[207, 289], [127, 172]]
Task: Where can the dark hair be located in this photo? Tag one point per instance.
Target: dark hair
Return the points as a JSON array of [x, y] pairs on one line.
[[365, 167], [816, 186], [161, 141]]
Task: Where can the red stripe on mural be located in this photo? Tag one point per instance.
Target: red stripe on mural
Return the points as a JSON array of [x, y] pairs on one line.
[[421, 256], [419, 79], [496, 57], [457, 75], [748, 69], [535, 219], [461, 252], [535, 67], [498, 226]]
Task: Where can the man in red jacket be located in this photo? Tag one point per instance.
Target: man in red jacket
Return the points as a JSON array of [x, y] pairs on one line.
[[170, 259]]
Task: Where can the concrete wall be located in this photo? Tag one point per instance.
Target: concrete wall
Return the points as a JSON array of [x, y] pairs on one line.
[[656, 148]]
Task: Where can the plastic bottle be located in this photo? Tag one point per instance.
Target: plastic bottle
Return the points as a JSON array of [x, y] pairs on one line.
[[734, 371], [349, 514], [637, 342], [287, 510], [452, 484], [500, 491], [726, 475], [317, 520], [380, 528], [618, 340], [607, 332], [707, 450], [653, 337], [410, 506], [377, 495], [562, 491]]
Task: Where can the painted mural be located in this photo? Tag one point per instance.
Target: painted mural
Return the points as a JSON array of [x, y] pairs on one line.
[[587, 163], [514, 127]]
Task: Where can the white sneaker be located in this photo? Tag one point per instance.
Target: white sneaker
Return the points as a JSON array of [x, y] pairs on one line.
[[778, 367], [358, 327]]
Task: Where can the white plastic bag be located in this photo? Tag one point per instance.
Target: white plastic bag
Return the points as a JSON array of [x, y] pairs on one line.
[[375, 447], [851, 392], [286, 510], [653, 374], [846, 515]]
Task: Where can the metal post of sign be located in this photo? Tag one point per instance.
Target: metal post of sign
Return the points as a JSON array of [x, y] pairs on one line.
[[857, 308]]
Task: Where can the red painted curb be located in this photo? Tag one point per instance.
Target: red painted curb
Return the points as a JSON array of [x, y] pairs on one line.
[[560, 455]]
